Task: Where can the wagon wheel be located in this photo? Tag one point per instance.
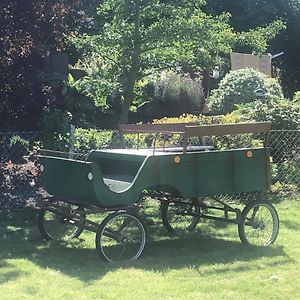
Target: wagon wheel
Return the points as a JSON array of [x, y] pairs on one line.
[[58, 227], [180, 216], [259, 224], [121, 237]]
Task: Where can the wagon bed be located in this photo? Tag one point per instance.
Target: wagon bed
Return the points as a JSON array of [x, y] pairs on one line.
[[117, 177]]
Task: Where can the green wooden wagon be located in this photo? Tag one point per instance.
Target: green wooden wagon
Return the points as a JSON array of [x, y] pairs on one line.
[[115, 180]]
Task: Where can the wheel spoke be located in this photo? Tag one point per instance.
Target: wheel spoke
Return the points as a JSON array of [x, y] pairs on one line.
[[180, 216], [259, 225], [55, 226], [129, 241]]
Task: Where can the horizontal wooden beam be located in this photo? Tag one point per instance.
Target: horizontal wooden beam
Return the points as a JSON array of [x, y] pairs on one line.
[[189, 130], [228, 129], [194, 129], [155, 128]]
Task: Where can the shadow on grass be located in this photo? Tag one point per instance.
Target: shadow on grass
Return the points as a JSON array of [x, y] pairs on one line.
[[291, 225], [73, 259], [10, 274], [205, 251]]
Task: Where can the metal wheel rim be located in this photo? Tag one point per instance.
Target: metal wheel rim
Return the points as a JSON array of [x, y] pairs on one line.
[[106, 243], [180, 221], [261, 227], [59, 227]]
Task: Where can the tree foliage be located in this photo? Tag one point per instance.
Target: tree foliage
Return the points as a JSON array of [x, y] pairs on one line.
[[248, 14], [142, 37], [125, 42], [138, 38], [28, 30]]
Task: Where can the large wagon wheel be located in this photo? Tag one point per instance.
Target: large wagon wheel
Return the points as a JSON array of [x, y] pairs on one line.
[[180, 216], [121, 237], [259, 224], [58, 226]]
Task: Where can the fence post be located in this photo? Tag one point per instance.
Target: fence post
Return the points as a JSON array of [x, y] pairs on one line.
[[72, 141]]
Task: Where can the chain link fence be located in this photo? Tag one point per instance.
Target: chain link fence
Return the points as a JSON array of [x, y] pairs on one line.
[[285, 152], [19, 174]]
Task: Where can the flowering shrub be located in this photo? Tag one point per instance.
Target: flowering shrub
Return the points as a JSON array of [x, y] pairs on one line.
[[172, 94]]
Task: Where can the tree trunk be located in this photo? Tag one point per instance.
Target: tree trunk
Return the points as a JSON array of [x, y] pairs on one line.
[[130, 76], [128, 98]]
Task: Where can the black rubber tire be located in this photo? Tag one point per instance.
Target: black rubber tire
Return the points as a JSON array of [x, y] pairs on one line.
[[258, 223], [126, 218], [46, 235], [165, 214]]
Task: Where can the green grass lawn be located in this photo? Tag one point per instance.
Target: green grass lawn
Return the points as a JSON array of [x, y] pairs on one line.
[[210, 263]]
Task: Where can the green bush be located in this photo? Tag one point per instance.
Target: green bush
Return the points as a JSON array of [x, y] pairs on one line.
[[55, 126], [284, 114], [18, 147], [219, 142], [172, 95], [296, 98], [239, 87], [88, 139], [281, 190], [289, 173]]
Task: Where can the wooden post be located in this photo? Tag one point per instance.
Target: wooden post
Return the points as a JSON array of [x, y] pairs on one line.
[[72, 141]]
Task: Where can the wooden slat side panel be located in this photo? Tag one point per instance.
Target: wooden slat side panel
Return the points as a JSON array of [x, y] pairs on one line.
[[193, 129], [227, 129], [155, 128]]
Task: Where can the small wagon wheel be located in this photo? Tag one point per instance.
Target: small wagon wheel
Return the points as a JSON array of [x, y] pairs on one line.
[[259, 224], [61, 225], [121, 237], [180, 216]]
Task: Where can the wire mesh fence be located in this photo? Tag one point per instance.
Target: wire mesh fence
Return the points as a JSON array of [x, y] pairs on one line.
[[15, 145], [19, 174], [285, 153]]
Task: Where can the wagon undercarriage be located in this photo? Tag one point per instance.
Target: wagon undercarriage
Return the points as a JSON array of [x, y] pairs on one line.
[[122, 235], [186, 183]]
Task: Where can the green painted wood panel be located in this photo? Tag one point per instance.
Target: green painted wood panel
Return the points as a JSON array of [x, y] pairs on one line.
[[197, 174]]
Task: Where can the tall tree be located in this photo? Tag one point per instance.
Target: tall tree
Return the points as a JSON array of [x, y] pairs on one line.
[[248, 14], [138, 38]]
